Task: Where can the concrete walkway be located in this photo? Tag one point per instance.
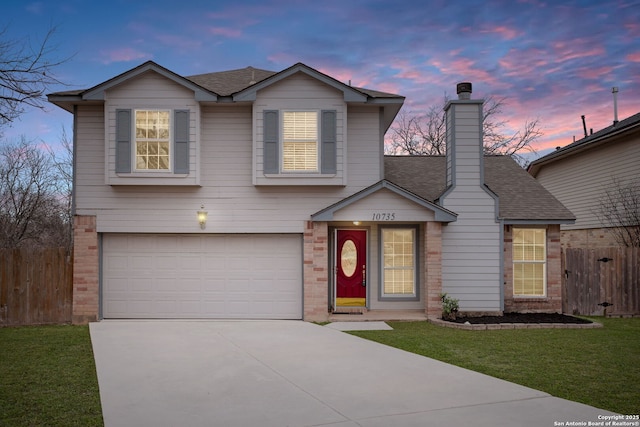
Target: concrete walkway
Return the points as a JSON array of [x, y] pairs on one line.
[[291, 373]]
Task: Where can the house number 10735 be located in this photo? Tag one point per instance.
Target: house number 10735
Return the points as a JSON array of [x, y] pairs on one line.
[[384, 216]]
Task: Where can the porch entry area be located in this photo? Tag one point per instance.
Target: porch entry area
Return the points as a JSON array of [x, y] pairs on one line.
[[350, 268]]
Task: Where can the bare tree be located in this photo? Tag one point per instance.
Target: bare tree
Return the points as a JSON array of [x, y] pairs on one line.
[[26, 73], [425, 134], [32, 211], [62, 163], [619, 210], [418, 134]]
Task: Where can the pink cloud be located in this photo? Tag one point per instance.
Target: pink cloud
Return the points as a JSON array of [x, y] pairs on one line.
[[125, 54], [633, 57], [504, 32], [595, 73], [521, 62], [466, 69], [233, 33], [566, 51]]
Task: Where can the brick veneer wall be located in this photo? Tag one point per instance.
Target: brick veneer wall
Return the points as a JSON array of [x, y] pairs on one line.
[[591, 238], [316, 272], [433, 269], [85, 270], [552, 303]]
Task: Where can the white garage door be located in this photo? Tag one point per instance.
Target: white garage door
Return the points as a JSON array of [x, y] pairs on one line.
[[213, 276]]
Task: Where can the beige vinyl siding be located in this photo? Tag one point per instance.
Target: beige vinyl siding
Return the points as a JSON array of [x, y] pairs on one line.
[[471, 245], [148, 92], [580, 180], [226, 190], [89, 156], [365, 154]]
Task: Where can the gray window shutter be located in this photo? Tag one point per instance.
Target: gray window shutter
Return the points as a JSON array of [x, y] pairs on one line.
[[181, 141], [328, 134], [123, 141], [271, 157]]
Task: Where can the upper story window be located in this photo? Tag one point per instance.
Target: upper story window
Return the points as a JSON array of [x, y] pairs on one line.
[[152, 141], [300, 141], [529, 262]]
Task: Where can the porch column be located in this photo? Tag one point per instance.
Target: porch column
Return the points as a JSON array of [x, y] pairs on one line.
[[85, 270], [433, 266], [316, 272]]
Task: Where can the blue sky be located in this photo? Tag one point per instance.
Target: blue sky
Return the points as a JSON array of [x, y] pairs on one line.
[[551, 59]]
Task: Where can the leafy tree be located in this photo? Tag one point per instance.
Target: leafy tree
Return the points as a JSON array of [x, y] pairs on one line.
[[425, 134]]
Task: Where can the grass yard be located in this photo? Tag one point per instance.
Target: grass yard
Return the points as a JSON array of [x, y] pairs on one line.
[[599, 367], [48, 377]]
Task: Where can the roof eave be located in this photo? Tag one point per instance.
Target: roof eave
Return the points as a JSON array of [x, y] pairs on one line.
[[66, 102], [508, 221], [535, 166]]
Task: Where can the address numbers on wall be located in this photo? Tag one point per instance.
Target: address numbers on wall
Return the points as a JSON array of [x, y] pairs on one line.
[[383, 216]]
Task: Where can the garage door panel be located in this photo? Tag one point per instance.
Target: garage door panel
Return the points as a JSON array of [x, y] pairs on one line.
[[213, 276]]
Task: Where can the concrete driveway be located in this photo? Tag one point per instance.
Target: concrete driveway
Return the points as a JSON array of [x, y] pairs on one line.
[[292, 373]]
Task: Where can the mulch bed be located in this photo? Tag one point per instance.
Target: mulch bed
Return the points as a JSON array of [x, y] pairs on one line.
[[522, 318]]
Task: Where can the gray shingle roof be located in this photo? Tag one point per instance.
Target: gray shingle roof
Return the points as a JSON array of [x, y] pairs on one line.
[[521, 197], [225, 83]]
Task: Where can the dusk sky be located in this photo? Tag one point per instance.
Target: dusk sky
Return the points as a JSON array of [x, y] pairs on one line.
[[551, 59]]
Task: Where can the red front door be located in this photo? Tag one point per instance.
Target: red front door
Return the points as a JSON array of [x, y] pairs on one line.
[[351, 267]]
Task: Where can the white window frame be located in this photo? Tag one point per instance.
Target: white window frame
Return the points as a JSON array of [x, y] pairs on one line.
[[135, 139], [523, 262], [414, 268], [283, 170]]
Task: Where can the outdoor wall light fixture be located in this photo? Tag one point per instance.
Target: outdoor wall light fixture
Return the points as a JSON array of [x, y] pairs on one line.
[[202, 217]]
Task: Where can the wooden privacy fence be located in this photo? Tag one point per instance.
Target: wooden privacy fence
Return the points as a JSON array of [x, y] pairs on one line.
[[605, 275], [35, 286]]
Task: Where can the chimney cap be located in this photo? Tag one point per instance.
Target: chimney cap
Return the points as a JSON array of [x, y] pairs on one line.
[[464, 90]]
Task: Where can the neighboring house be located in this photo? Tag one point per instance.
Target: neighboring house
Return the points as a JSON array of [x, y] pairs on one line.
[[580, 174], [254, 194]]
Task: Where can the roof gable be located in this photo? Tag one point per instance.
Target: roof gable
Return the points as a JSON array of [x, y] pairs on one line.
[[97, 93], [440, 214], [350, 94]]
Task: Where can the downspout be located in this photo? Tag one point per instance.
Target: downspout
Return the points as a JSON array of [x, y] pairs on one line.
[[502, 281], [73, 161]]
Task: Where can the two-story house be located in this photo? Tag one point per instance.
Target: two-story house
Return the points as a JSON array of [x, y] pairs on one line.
[[258, 194], [588, 176]]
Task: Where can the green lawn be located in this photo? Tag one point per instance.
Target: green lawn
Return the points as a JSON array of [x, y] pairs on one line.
[[599, 367], [48, 377]]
